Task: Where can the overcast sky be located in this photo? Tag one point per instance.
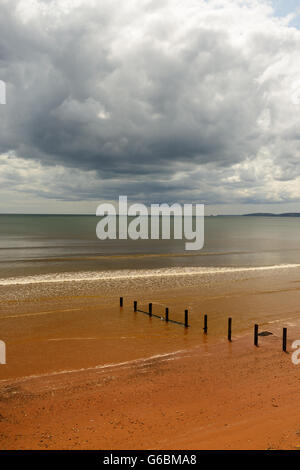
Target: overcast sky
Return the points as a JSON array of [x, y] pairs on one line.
[[160, 100]]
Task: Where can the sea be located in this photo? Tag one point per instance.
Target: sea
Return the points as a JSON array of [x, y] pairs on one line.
[[38, 247]]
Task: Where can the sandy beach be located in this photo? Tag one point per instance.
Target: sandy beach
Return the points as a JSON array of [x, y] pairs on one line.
[[83, 373], [225, 396]]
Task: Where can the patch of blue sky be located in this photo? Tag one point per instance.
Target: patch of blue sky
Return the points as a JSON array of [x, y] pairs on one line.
[[287, 7]]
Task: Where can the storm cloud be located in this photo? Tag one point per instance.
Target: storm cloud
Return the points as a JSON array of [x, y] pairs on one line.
[[159, 100]]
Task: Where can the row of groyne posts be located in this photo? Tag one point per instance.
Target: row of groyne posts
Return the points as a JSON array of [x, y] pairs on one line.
[[185, 323]]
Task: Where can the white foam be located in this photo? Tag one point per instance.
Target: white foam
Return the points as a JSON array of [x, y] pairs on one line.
[[136, 274]]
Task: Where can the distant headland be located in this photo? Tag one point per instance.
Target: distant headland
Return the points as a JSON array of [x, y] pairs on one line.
[[266, 214]]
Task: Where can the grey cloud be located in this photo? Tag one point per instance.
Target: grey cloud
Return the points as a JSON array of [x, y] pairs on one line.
[[137, 96]]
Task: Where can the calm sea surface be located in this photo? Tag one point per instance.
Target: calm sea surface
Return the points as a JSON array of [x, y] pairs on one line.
[[41, 245]]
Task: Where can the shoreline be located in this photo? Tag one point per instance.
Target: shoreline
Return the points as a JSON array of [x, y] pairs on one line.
[[140, 274]]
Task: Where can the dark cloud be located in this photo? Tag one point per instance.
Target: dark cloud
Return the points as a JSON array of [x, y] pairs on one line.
[[157, 100]]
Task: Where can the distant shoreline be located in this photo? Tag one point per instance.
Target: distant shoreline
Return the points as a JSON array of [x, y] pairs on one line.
[[254, 214], [284, 214]]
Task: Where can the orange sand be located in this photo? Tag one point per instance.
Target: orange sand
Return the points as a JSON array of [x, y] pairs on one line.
[[214, 396], [210, 395]]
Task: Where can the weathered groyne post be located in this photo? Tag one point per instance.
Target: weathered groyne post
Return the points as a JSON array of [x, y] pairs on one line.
[[284, 338], [167, 314], [186, 318], [229, 328], [205, 324], [255, 334]]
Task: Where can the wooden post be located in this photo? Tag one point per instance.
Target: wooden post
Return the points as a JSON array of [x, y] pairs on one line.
[[284, 336], [205, 324], [150, 310], [167, 314], [229, 328], [186, 318], [135, 305], [255, 335], [121, 301]]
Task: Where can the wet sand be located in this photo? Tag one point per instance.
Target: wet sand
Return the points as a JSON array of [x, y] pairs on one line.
[[82, 373], [221, 396], [56, 326]]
